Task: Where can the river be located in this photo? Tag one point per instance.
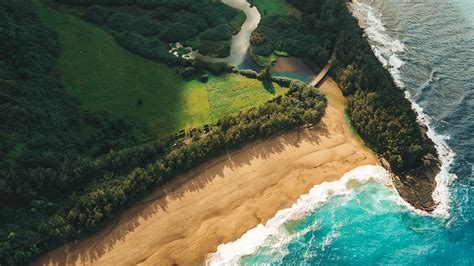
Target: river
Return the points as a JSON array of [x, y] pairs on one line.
[[291, 67], [240, 43], [428, 46]]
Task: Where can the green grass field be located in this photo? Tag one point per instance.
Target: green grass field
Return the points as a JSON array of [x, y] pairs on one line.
[[264, 61], [104, 76], [232, 93], [275, 7]]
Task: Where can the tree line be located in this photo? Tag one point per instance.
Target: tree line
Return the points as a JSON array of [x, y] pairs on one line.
[[148, 31], [310, 36], [64, 172], [378, 108]]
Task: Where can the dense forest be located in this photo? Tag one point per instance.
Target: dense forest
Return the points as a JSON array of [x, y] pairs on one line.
[[378, 108], [147, 27], [310, 36], [65, 172]]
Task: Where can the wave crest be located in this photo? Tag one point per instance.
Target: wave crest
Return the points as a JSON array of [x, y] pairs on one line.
[[389, 51], [230, 253]]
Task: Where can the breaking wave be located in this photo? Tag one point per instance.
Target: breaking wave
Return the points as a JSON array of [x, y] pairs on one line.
[[275, 232], [274, 229], [390, 52]]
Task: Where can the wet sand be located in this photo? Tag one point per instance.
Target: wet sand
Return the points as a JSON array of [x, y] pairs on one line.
[[217, 202], [291, 64]]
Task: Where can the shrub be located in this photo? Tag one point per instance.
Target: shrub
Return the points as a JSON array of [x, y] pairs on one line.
[[176, 32], [257, 38], [146, 47], [219, 33], [121, 22], [204, 78], [216, 68], [187, 72], [282, 81], [219, 68], [192, 20], [249, 73], [97, 14]]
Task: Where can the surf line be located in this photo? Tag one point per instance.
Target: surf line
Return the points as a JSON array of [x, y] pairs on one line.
[[389, 51], [248, 244]]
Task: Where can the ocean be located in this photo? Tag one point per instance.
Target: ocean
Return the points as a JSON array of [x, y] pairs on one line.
[[428, 47]]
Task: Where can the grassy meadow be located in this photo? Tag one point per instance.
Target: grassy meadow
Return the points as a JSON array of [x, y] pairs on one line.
[[231, 93], [105, 76], [275, 7], [228, 93]]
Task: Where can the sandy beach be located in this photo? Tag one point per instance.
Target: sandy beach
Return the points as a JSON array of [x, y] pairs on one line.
[[222, 199]]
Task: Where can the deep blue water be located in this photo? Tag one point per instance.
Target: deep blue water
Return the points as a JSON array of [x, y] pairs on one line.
[[429, 48]]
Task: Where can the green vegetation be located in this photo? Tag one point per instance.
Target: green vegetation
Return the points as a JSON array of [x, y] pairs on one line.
[[55, 188], [274, 7], [236, 23], [214, 42], [377, 107], [219, 49], [66, 166], [232, 93], [314, 6], [219, 33], [263, 61], [310, 36], [104, 76], [199, 23], [227, 94], [91, 60]]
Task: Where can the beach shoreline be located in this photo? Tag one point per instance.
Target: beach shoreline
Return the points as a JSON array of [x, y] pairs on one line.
[[219, 201]]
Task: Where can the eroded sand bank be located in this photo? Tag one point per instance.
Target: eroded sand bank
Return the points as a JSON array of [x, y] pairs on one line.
[[219, 201]]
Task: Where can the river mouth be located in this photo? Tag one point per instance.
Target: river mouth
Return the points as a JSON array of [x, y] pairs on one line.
[[292, 67]]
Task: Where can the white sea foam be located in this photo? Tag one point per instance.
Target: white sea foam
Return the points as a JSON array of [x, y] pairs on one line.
[[274, 230], [389, 51]]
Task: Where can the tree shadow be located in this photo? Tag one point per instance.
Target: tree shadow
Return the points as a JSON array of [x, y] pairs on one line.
[[92, 248], [268, 86]]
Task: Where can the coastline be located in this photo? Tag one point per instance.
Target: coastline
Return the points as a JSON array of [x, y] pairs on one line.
[[219, 201], [216, 200], [420, 187]]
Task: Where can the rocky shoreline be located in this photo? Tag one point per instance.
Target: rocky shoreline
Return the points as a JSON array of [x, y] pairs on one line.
[[417, 186]]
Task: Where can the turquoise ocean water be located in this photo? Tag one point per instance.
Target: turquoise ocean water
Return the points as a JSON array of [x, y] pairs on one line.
[[428, 46]]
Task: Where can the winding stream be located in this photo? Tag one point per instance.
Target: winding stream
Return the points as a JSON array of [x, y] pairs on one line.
[[240, 44], [240, 48]]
